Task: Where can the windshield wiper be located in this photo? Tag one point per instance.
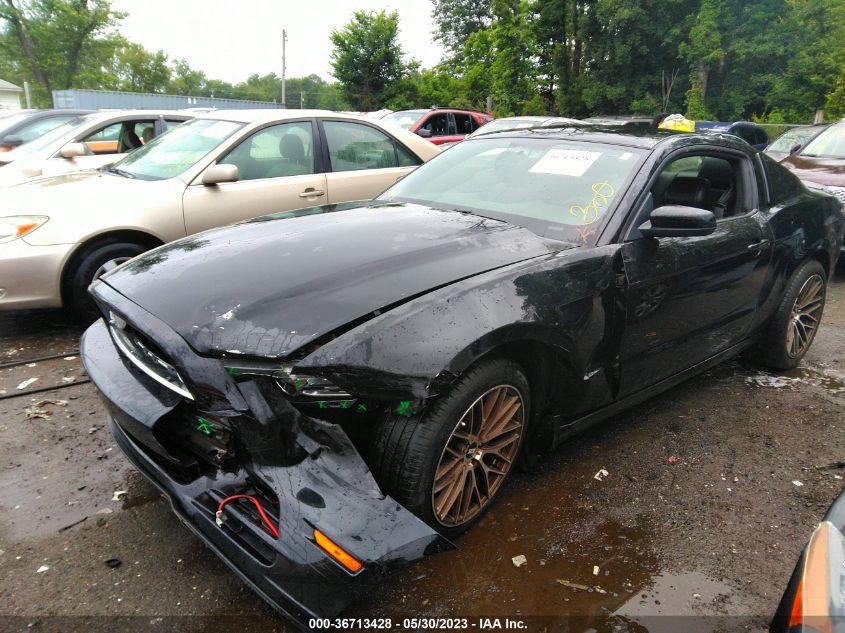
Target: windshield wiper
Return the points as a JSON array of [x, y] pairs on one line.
[[120, 172]]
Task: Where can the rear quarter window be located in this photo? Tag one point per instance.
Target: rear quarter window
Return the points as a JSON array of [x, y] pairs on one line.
[[783, 184]]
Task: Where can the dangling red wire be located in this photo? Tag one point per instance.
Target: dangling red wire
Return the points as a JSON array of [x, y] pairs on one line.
[[270, 527]]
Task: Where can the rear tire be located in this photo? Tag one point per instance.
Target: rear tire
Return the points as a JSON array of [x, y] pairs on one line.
[[792, 329], [465, 447], [95, 262]]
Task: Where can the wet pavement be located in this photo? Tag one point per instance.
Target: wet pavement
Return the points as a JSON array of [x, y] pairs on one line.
[[711, 492]]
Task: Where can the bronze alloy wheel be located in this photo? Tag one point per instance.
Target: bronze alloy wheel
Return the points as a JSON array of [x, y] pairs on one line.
[[478, 455], [805, 316]]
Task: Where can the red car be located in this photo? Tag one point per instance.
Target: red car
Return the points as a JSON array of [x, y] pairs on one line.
[[439, 125]]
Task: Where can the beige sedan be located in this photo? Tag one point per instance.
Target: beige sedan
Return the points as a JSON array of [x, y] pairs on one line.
[[58, 234]]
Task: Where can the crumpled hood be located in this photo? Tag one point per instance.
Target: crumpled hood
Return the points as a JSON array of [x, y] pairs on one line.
[[824, 171], [271, 285]]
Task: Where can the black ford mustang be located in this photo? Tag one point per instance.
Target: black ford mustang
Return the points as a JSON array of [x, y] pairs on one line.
[[329, 393]]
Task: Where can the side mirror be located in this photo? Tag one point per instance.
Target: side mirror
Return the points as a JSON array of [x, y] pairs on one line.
[[218, 174], [678, 221], [795, 148], [72, 150], [424, 133], [12, 140]]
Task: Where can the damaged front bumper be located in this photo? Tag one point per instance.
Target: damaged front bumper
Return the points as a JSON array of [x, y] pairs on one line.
[[305, 472]]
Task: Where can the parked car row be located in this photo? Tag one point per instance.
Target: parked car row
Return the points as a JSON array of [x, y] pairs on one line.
[[342, 380]]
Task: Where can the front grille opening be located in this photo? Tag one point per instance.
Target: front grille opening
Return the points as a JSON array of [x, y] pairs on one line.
[[243, 524]]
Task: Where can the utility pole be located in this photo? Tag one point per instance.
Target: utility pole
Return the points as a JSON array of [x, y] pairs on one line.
[[284, 39]]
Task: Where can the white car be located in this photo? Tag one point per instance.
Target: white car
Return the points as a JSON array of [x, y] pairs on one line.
[[86, 142]]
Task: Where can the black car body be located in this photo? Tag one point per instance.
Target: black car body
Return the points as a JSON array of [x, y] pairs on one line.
[[293, 334]]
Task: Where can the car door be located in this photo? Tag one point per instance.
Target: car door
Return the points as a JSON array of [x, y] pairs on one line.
[[440, 127], [362, 160], [690, 298], [278, 171]]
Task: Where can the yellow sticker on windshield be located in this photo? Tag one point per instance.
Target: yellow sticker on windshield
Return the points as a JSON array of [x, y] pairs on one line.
[[602, 193]]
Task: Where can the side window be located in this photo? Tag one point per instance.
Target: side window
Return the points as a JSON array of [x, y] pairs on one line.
[[783, 184], [104, 140], [713, 183], [437, 124], [281, 150], [406, 158], [463, 123], [119, 138], [39, 128], [355, 146], [761, 137]]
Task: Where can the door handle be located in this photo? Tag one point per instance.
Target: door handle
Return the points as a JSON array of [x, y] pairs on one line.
[[758, 245], [312, 193]]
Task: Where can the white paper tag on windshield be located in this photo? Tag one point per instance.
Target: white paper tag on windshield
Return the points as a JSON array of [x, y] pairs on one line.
[[565, 162]]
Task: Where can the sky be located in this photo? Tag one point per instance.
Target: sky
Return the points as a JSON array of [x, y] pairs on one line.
[[232, 39]]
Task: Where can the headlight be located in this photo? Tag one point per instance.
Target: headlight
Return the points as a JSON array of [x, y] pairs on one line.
[[13, 227], [291, 384]]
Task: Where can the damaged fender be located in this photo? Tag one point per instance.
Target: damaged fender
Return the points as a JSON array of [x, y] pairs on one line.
[[307, 472]]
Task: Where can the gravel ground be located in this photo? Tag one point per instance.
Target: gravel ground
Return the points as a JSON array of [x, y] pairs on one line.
[[711, 492]]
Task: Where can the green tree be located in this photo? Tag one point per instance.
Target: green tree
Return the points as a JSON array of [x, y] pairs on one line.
[[186, 81], [60, 44], [367, 58], [456, 20], [512, 71], [138, 70]]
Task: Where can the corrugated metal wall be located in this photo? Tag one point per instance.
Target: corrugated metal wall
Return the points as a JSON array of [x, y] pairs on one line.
[[102, 99]]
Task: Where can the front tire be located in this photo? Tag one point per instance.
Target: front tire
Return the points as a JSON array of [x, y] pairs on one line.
[[793, 327], [448, 465], [95, 262]]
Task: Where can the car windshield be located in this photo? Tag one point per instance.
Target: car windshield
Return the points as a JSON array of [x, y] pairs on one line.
[[557, 188], [176, 151], [789, 139], [52, 136], [405, 118], [830, 143]]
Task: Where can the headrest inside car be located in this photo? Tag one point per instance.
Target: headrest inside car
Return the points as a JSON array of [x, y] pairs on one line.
[[688, 191]]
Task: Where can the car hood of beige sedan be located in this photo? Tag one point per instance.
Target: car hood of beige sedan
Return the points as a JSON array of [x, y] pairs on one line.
[[85, 203]]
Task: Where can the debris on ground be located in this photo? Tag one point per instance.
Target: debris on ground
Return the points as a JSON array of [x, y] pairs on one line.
[[572, 585], [26, 383], [519, 561], [795, 482], [673, 459], [38, 411], [599, 476], [74, 524], [33, 413], [114, 563], [118, 495], [42, 569], [595, 570], [831, 466]]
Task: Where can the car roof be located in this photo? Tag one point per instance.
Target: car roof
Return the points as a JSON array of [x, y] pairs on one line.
[[271, 114], [637, 138], [99, 115]]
